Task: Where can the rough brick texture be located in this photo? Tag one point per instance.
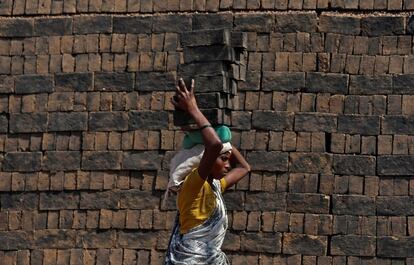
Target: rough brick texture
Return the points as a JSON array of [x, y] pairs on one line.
[[319, 95]]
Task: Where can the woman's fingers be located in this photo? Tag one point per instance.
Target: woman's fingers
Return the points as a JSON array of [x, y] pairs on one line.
[[192, 86]]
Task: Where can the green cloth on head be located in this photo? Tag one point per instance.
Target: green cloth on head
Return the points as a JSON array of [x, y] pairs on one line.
[[194, 137]]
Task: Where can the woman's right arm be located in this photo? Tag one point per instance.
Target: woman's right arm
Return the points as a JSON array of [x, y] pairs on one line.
[[186, 101]]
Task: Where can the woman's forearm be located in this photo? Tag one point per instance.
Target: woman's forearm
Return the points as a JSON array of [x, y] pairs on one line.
[[237, 158], [210, 137]]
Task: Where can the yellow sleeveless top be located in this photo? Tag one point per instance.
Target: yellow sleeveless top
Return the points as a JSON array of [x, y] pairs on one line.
[[196, 201]]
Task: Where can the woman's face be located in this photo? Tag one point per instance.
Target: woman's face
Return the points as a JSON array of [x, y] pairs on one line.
[[221, 166]]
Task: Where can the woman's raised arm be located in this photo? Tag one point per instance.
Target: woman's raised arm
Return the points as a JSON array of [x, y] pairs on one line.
[[186, 101]]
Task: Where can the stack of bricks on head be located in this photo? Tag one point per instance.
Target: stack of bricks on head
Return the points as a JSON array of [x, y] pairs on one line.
[[217, 61]]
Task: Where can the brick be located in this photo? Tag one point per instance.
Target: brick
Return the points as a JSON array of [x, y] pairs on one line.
[[401, 83], [395, 165], [28, 84], [367, 85], [265, 202], [395, 246], [20, 201], [58, 201], [114, 81], [315, 122], [108, 121], [101, 160], [22, 161], [261, 242], [257, 23], [70, 121], [16, 27], [354, 205], [307, 203], [171, 23], [345, 245], [52, 26], [340, 24], [262, 160], [278, 81], [92, 24], [354, 165], [151, 120], [310, 163], [383, 25], [304, 244], [154, 81], [282, 120], [300, 22], [61, 160], [141, 160], [23, 123], [359, 124], [15, 239], [397, 125], [327, 83]]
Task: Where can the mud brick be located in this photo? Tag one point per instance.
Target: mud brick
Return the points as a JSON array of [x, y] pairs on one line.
[[397, 125], [141, 160], [299, 22], [343, 245], [327, 83], [140, 142], [394, 104], [71, 121], [257, 23], [108, 121], [53, 27], [378, 26], [28, 84], [171, 23], [275, 141], [154, 81], [296, 223], [323, 62], [304, 244], [281, 4], [283, 81], [101, 160], [370, 85], [68, 63], [66, 44], [359, 124], [206, 38], [16, 27], [282, 120], [113, 81], [209, 53], [251, 101], [261, 242], [253, 221], [92, 24], [54, 161], [400, 145], [350, 164], [340, 24], [148, 120], [401, 83]]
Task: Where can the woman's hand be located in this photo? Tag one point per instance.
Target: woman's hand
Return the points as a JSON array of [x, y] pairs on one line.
[[184, 99]]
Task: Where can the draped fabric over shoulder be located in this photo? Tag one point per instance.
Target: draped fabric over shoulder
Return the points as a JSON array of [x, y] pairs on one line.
[[201, 244]]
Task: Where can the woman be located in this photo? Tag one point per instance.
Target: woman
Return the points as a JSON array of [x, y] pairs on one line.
[[201, 218]]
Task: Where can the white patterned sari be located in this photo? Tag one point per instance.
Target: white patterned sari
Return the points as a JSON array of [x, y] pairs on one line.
[[201, 244]]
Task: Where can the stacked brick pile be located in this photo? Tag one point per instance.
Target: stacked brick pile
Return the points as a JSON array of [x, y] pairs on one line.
[[324, 114]]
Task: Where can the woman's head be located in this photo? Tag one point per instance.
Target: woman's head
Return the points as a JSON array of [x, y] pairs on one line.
[[221, 166]]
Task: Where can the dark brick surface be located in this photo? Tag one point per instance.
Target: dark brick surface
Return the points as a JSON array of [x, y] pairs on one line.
[[28, 84], [28, 122], [152, 81], [73, 81], [318, 95], [92, 24], [113, 81], [273, 120], [61, 160], [354, 164], [53, 26], [22, 161], [67, 121], [16, 27], [108, 121], [304, 244], [132, 24], [353, 205], [148, 120], [345, 245]]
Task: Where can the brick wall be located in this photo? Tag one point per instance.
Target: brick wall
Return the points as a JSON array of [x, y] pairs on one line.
[[322, 105]]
